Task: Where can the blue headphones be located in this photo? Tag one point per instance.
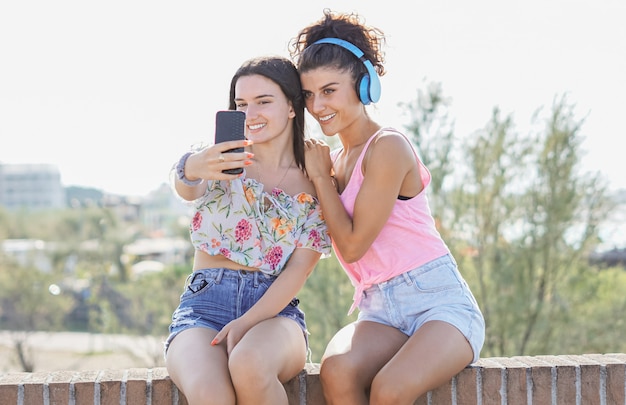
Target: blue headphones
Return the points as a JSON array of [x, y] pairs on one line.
[[368, 86]]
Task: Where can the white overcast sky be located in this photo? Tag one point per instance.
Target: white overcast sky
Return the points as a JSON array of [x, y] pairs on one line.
[[113, 92]]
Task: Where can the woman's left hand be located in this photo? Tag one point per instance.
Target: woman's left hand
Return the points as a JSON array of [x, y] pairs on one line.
[[231, 333], [317, 159]]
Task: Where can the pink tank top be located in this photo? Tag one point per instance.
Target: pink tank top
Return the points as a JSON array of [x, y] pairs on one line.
[[408, 240]]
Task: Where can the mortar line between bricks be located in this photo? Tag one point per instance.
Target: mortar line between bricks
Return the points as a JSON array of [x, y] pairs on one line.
[[174, 389], [453, 389], [479, 386], [504, 383], [302, 387], [96, 388], [72, 394], [149, 387], [579, 396], [123, 387], [45, 388], [602, 384], [529, 386], [20, 393], [553, 393]]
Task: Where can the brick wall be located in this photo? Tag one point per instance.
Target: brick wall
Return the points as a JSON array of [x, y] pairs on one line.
[[541, 380]]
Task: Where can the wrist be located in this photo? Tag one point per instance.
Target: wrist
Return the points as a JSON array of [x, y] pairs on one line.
[[180, 171], [321, 180]]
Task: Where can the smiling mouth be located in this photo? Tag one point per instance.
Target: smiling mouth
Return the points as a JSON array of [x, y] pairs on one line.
[[327, 117], [256, 126]]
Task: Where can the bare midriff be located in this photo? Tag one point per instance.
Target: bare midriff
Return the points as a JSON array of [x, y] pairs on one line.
[[203, 260]]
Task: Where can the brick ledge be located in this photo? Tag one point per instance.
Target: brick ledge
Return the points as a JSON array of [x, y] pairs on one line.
[[563, 379]]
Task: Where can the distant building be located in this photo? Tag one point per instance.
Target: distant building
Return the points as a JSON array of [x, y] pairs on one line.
[[31, 186], [29, 253]]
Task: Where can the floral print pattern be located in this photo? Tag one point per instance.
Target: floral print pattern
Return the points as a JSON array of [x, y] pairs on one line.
[[230, 220]]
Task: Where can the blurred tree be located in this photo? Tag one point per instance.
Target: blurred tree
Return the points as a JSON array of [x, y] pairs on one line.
[[30, 300], [520, 221], [325, 299]]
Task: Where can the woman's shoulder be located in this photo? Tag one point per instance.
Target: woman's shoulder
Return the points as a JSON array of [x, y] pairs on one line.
[[389, 139]]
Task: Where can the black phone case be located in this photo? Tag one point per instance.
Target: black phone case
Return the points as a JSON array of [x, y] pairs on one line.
[[230, 126]]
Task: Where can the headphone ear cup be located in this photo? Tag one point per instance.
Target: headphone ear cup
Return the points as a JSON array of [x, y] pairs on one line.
[[373, 89], [363, 89]]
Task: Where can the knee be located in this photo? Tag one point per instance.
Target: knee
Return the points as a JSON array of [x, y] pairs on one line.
[[386, 393], [337, 371], [199, 392], [248, 367]]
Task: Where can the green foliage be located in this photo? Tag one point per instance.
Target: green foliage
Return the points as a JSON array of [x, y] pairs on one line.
[[140, 307], [325, 299], [521, 223], [29, 299]]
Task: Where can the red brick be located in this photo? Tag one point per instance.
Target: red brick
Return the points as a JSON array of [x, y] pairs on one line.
[[540, 376], [589, 379], [136, 385], [442, 394], [491, 373], [314, 393], [163, 388], [466, 390], [33, 388], [59, 387], [84, 386], [110, 382], [516, 380], [615, 380], [9, 384], [615, 366], [293, 386], [423, 400]]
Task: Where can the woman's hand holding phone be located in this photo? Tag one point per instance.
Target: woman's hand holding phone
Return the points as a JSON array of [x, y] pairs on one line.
[[230, 126]]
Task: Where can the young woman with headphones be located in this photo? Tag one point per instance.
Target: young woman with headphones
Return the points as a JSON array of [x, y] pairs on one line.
[[418, 323]]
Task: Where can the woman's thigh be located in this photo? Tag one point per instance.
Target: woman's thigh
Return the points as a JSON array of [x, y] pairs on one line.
[[274, 347], [362, 348], [197, 367]]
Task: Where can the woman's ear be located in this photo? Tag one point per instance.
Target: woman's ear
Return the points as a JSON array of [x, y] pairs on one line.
[[292, 113]]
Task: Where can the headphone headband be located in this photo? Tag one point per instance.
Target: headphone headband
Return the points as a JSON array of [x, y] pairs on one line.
[[368, 87]]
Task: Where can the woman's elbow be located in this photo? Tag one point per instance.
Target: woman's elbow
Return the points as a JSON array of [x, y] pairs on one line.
[[352, 254]]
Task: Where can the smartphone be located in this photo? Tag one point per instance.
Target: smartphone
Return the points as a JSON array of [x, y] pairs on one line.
[[230, 125]]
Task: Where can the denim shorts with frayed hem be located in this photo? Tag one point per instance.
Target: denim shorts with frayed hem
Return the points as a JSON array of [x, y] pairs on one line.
[[214, 297], [435, 291]]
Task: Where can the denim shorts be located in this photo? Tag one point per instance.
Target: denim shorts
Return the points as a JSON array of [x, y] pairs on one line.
[[214, 297], [433, 291]]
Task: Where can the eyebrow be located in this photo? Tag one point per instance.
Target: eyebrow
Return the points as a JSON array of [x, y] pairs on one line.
[[325, 86], [257, 97]]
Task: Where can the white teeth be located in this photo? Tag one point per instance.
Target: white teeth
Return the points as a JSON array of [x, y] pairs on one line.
[[327, 117], [257, 126]]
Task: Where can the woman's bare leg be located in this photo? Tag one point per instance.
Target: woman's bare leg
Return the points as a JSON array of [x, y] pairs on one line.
[[200, 370], [271, 353], [353, 357], [433, 355]]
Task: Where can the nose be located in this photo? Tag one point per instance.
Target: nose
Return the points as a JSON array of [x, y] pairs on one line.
[[315, 104], [251, 112]]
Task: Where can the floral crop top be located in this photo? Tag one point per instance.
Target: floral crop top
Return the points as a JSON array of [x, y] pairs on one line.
[[231, 220]]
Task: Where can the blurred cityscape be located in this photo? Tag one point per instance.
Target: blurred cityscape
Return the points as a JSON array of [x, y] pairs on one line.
[[32, 187], [38, 187]]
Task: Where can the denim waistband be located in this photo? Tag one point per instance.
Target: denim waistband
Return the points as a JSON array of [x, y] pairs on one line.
[[218, 273]]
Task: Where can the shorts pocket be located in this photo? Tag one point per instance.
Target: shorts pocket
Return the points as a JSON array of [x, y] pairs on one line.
[[435, 279], [199, 284]]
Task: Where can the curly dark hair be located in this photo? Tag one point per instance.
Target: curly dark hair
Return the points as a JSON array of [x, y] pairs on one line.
[[347, 26]]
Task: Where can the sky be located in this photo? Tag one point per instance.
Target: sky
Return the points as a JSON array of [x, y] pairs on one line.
[[114, 92]]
